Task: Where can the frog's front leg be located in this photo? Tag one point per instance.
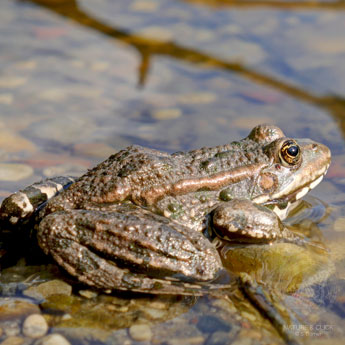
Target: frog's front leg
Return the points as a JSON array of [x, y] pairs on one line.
[[19, 207], [128, 248], [241, 220]]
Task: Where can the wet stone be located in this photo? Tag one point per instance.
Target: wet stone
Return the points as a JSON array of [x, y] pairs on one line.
[[153, 313], [53, 339], [339, 224], [157, 33], [140, 332], [15, 308], [196, 340], [144, 6], [197, 98], [35, 326], [52, 287], [14, 172], [288, 265], [88, 293], [12, 142], [13, 341], [167, 114], [64, 170], [210, 323], [218, 338], [6, 98], [11, 328], [94, 149]]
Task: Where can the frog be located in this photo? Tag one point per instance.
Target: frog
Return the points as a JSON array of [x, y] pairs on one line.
[[149, 221]]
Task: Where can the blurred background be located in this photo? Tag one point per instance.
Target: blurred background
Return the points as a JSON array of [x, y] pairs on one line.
[[80, 80]]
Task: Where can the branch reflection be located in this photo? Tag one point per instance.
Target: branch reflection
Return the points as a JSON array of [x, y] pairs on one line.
[[149, 48], [276, 5]]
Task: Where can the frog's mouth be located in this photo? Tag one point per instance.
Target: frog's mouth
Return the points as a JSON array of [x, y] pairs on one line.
[[282, 205]]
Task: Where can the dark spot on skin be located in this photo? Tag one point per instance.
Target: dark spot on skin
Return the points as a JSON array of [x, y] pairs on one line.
[[157, 286], [225, 195], [173, 208], [205, 164]]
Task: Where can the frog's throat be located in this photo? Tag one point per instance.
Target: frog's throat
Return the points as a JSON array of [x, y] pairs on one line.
[[189, 185]]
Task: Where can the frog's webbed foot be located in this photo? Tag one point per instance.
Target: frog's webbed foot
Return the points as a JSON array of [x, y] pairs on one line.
[[242, 221], [19, 208], [130, 249]]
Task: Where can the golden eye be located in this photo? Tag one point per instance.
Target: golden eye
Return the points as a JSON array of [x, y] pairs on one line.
[[290, 152]]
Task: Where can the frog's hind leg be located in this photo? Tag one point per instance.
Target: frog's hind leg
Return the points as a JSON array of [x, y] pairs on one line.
[[20, 207], [129, 249], [103, 274]]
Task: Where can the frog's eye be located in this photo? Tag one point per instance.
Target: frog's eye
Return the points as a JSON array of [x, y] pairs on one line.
[[290, 153]]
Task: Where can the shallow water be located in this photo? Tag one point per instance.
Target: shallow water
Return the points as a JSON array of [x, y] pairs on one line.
[[81, 79]]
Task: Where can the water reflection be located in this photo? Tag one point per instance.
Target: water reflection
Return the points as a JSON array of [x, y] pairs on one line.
[[149, 48], [284, 5]]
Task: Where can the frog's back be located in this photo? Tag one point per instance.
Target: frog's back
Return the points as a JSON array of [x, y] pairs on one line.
[[111, 180], [142, 175]]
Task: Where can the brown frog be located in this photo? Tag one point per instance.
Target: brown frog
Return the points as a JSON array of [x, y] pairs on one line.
[[137, 221]]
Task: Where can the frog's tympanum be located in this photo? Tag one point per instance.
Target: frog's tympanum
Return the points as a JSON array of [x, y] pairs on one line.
[[138, 220]]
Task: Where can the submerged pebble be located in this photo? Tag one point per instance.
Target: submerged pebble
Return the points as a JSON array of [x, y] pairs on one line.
[[14, 172], [49, 288], [35, 326], [53, 339], [11, 308], [13, 341], [140, 332]]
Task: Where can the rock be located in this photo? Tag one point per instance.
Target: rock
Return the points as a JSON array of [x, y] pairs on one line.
[[167, 114], [156, 33], [13, 341], [144, 6], [14, 172], [6, 98], [67, 169], [12, 82], [153, 313], [13, 309], [53, 339], [218, 338], [210, 324], [35, 326], [11, 328], [197, 98], [194, 340], [88, 293], [94, 149], [286, 265], [52, 287], [140, 332], [12, 142], [339, 224]]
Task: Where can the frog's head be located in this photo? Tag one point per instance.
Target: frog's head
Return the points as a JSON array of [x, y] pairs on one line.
[[295, 167]]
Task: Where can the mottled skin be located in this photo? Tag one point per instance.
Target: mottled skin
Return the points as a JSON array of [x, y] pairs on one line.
[[135, 221]]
